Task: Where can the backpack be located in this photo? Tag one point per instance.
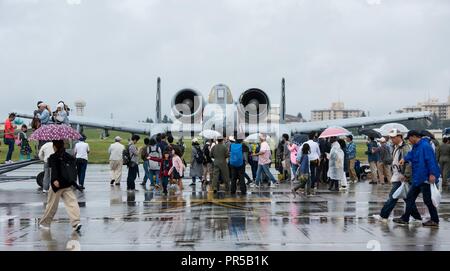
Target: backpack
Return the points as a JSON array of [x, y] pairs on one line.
[[199, 157], [236, 155], [68, 168], [154, 165], [387, 155], [126, 156]]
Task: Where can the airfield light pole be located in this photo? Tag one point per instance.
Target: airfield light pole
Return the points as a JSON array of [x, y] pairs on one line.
[[283, 102], [158, 100]]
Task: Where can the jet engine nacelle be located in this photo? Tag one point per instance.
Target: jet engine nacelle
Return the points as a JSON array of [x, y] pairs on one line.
[[187, 105], [254, 104]]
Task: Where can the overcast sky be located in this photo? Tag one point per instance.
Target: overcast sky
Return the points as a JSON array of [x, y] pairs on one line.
[[376, 55]]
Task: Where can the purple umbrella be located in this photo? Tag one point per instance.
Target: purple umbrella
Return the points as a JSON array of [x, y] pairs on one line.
[[55, 132]]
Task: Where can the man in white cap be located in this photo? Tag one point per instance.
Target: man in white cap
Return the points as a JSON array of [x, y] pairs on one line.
[[401, 173], [385, 163], [116, 160]]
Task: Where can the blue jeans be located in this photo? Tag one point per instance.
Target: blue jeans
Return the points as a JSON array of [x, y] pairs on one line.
[[294, 170], [165, 182], [266, 170], [254, 167], [10, 143], [132, 174], [413, 193], [81, 170], [152, 179], [147, 172], [391, 202]]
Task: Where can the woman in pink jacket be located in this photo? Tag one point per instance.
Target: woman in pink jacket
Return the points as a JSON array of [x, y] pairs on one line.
[[177, 170], [293, 148]]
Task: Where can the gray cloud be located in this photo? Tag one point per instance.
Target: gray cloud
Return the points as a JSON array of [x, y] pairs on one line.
[[376, 55]]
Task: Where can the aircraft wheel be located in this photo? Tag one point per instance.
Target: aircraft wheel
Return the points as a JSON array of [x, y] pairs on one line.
[[40, 179]]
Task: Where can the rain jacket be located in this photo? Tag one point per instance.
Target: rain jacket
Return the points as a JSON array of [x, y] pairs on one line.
[[351, 150], [336, 164], [423, 162]]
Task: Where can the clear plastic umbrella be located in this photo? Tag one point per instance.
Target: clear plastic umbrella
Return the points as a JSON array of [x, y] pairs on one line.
[[388, 127], [210, 134]]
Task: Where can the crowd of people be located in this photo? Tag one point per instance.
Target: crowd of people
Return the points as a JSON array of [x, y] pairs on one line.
[[221, 163]]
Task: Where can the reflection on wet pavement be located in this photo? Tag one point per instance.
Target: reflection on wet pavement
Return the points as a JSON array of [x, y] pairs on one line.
[[264, 219]]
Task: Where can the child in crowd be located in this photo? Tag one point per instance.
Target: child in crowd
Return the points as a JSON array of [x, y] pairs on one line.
[[177, 169], [165, 165]]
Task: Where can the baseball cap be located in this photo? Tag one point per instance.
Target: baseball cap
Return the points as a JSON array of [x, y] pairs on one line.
[[382, 140], [194, 140], [394, 133], [117, 138], [413, 133]]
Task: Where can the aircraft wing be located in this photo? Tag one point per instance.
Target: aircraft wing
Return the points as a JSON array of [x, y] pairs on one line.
[[305, 127], [114, 125]]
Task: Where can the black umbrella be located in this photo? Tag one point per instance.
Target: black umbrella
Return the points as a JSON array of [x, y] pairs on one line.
[[299, 139], [427, 133], [370, 133]]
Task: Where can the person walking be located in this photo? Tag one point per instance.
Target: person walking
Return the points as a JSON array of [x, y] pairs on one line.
[[351, 154], [343, 181], [314, 158], [264, 162], [425, 172], [336, 165], [443, 156], [8, 137], [143, 151], [293, 154], [303, 171], [253, 160], [153, 166], [63, 177], [177, 169], [44, 153], [25, 148], [373, 158], [219, 154], [165, 165], [197, 159], [237, 167], [207, 163], [115, 151], [286, 158], [81, 152], [385, 162], [401, 173], [133, 163]]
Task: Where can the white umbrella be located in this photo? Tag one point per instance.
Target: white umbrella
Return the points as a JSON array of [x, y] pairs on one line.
[[387, 128], [210, 134], [255, 138]]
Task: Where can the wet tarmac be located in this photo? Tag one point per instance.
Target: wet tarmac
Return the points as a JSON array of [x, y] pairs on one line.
[[264, 219]]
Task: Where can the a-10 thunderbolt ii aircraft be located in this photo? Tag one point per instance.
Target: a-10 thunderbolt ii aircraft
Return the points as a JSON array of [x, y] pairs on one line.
[[251, 113]]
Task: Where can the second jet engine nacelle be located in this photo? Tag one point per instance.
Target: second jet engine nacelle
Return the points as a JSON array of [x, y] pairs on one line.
[[254, 105]]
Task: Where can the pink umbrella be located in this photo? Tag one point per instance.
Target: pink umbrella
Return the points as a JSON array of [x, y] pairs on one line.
[[334, 132], [55, 132]]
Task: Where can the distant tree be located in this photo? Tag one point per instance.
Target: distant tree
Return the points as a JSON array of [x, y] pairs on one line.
[[165, 119], [363, 114], [170, 121], [148, 120], [299, 115]]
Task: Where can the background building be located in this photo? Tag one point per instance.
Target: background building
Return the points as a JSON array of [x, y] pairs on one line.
[[337, 111], [441, 110]]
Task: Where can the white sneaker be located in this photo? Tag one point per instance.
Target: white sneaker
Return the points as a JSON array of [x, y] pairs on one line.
[[42, 227], [379, 218], [77, 227]]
